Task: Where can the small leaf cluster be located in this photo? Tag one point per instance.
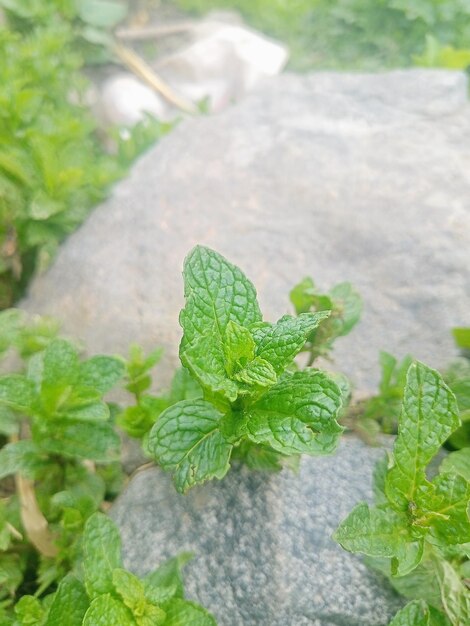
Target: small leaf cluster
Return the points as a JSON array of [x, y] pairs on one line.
[[103, 592], [252, 404], [418, 532], [384, 408], [62, 458], [344, 304], [54, 167]]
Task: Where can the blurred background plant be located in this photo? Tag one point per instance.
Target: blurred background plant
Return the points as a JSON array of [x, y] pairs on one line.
[[57, 160], [54, 161], [359, 34]]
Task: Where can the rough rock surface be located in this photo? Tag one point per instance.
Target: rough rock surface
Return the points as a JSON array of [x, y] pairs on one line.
[[264, 553], [343, 177]]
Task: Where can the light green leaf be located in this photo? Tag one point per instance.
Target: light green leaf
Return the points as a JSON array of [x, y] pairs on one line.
[[459, 462], [462, 337], [303, 295], [238, 346], [105, 610], [101, 13], [216, 292], [184, 387], [91, 412], [69, 605], [102, 554], [29, 612], [348, 305], [447, 505], [183, 613], [415, 613], [257, 372], [60, 363], [298, 415], [17, 392], [279, 343], [131, 590], [100, 373], [455, 597], [377, 532], [167, 579], [96, 441], [204, 358], [429, 415], [260, 458], [21, 457], [186, 439]]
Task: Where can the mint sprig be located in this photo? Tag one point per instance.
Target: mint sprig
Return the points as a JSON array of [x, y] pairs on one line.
[[250, 396]]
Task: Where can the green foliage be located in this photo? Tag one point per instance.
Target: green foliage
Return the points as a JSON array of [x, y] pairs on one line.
[[420, 527], [47, 139], [106, 593], [53, 165], [344, 304], [250, 400], [367, 34]]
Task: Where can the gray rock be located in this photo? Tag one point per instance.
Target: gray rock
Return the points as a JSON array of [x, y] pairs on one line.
[[263, 549], [344, 177]]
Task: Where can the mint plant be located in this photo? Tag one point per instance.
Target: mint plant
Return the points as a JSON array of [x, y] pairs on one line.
[[251, 400], [344, 304], [61, 456], [418, 533], [103, 592]]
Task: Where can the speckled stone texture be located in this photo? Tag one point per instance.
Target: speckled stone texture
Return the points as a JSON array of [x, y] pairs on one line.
[[344, 177], [264, 553]]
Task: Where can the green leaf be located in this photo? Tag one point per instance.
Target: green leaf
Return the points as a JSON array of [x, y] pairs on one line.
[[348, 305], [379, 533], [298, 415], [102, 554], [9, 423], [216, 292], [415, 613], [21, 457], [89, 412], [184, 387], [69, 605], [17, 392], [462, 337], [455, 597], [186, 439], [260, 458], [131, 590], [60, 363], [100, 373], [96, 441], [167, 580], [279, 343], [429, 415], [239, 347], [29, 612], [257, 372], [458, 461], [303, 295], [205, 359], [105, 610], [101, 13], [448, 505], [183, 613]]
